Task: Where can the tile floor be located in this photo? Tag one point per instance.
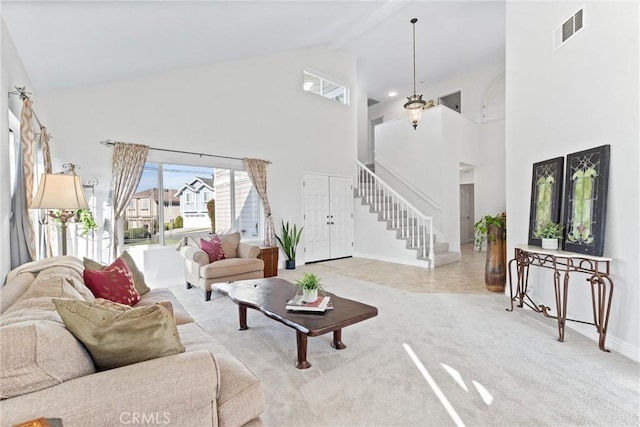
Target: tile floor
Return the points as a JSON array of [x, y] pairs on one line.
[[466, 276]]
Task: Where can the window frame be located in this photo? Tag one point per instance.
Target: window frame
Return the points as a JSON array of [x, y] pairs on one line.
[[190, 160], [324, 79]]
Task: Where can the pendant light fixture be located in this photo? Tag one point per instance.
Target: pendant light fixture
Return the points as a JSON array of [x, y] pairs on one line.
[[415, 104]]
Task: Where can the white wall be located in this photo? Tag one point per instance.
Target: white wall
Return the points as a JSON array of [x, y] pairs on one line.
[[429, 158], [12, 73], [473, 84], [363, 126], [467, 176], [373, 240], [583, 95], [489, 174], [248, 108]]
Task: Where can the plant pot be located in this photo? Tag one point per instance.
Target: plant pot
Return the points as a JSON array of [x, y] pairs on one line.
[[309, 295], [290, 264], [551, 244], [495, 272]]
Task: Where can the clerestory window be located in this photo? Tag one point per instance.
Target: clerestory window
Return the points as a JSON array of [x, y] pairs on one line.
[[325, 87]]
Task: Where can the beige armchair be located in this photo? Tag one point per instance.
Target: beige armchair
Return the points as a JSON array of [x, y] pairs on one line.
[[241, 263]]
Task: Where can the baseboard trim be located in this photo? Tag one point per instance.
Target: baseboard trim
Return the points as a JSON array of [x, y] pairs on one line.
[[416, 263], [611, 343]]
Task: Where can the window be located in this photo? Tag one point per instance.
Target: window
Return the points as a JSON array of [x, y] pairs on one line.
[[132, 205], [185, 193], [144, 204], [324, 87]]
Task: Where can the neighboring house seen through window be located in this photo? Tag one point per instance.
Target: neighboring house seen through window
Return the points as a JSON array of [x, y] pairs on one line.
[[184, 195]]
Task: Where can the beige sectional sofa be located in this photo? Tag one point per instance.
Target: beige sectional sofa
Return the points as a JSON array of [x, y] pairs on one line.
[[47, 373]]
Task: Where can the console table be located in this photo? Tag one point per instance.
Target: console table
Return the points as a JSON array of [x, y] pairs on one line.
[[563, 264]]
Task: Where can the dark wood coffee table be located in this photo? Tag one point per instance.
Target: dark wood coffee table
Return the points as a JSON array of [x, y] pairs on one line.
[[270, 296]]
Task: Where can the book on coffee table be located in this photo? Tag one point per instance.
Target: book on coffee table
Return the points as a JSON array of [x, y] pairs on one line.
[[319, 305]]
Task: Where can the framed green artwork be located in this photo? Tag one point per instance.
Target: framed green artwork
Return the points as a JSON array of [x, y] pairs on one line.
[[546, 195], [585, 202]]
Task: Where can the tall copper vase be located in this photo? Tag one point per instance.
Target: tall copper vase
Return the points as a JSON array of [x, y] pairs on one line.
[[495, 272]]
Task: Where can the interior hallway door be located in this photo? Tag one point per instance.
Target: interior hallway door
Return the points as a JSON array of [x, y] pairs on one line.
[[328, 217], [466, 213]]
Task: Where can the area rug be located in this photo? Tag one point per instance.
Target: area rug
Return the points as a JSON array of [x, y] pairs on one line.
[[491, 366]]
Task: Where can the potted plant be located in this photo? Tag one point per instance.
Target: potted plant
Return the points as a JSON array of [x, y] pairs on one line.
[[550, 232], [289, 241], [493, 230], [310, 286]]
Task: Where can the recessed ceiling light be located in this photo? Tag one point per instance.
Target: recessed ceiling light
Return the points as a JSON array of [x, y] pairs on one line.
[[393, 93]]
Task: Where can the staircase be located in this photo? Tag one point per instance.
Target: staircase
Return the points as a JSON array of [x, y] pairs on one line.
[[408, 222]]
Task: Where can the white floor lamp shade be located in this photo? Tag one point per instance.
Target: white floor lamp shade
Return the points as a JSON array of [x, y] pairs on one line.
[[60, 191]]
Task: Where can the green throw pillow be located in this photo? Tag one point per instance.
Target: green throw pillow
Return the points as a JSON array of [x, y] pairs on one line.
[[138, 277], [117, 338]]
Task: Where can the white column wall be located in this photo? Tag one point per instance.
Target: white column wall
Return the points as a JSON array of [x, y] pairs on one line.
[[583, 95], [489, 174], [248, 108]]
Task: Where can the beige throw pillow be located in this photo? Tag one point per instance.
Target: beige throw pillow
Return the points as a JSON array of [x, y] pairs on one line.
[[138, 277], [117, 338], [230, 244], [123, 307]]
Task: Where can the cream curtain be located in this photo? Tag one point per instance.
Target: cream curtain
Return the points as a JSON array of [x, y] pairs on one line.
[[46, 151], [48, 229], [27, 144], [128, 164], [257, 170]]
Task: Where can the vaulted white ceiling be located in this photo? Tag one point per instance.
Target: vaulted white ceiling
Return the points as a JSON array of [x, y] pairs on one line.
[[64, 44]]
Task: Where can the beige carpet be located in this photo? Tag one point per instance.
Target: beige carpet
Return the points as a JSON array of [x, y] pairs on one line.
[[466, 276], [467, 343]]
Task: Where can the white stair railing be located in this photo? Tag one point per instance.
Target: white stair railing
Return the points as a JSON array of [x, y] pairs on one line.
[[413, 224]]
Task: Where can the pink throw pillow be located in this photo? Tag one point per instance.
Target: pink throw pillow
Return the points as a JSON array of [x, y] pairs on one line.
[[213, 248], [114, 283]]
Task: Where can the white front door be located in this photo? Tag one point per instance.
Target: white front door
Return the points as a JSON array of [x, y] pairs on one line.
[[316, 217], [341, 216], [328, 217]]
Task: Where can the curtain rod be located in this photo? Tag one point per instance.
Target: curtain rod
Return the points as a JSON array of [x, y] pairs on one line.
[[23, 94], [109, 143]]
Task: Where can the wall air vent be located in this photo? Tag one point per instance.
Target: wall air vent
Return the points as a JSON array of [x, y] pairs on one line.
[[565, 31]]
